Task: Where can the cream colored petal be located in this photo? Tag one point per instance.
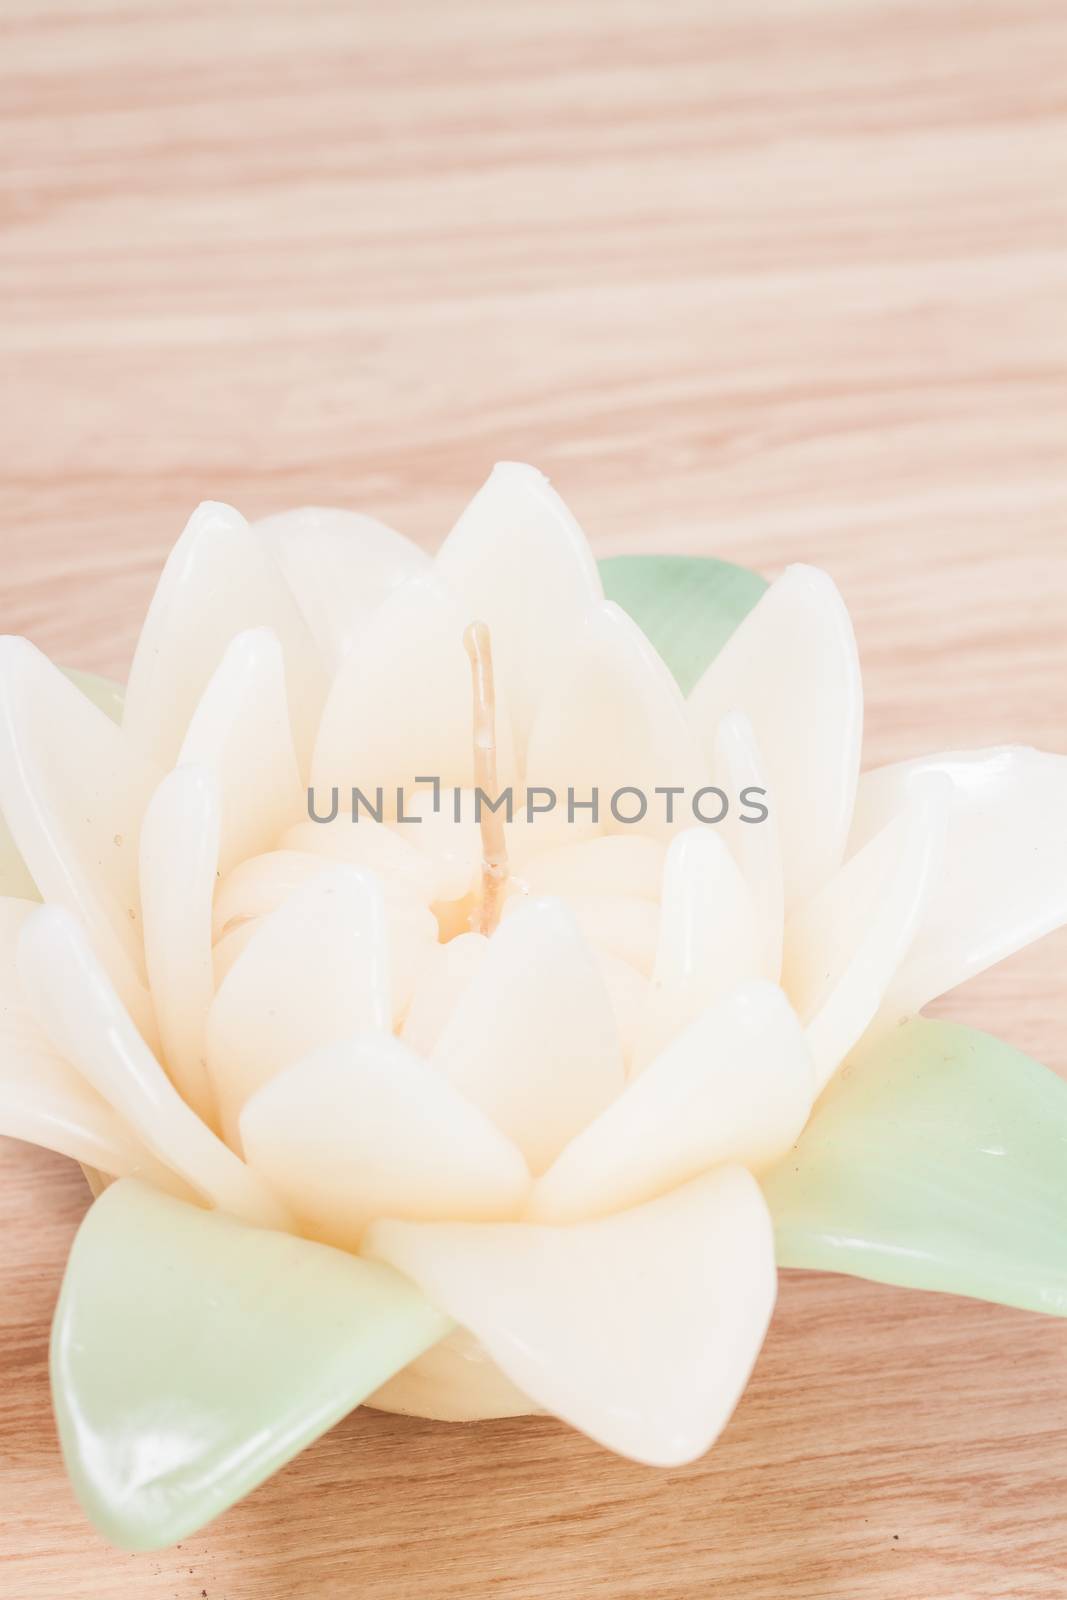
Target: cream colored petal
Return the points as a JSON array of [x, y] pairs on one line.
[[43, 1099], [340, 565], [73, 791], [843, 947], [16, 882], [626, 926], [754, 840], [241, 732], [445, 976], [1003, 879], [45, 1102], [792, 667], [628, 864], [453, 1381], [366, 1129], [709, 939], [708, 925], [628, 991], [737, 1085], [520, 563], [448, 839], [266, 883], [533, 1041], [613, 718], [219, 580], [540, 826], [229, 947], [263, 884], [179, 864], [314, 972], [71, 998], [369, 844], [401, 704], [640, 1329]]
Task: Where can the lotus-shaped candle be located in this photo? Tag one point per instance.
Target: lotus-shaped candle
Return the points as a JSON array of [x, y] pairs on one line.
[[463, 991]]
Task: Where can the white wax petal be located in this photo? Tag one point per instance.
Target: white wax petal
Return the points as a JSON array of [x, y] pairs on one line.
[[792, 667], [737, 1085], [179, 864], [70, 996], [73, 791], [264, 884], [451, 848], [228, 948], [366, 843], [756, 846], [44, 1099], [401, 704], [340, 565], [260, 885], [628, 992], [640, 1329], [612, 717], [536, 831], [366, 1128], [709, 938], [315, 971], [626, 926], [241, 732], [1003, 879], [445, 976], [453, 1381], [628, 864], [519, 562], [843, 947], [533, 1038], [219, 580], [15, 880]]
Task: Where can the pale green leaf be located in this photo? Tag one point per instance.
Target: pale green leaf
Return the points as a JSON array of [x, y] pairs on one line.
[[687, 605], [193, 1356], [938, 1160]]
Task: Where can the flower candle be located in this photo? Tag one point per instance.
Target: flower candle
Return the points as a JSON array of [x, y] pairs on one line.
[[463, 990]]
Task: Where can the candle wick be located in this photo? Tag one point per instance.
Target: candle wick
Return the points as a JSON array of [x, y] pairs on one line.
[[477, 644]]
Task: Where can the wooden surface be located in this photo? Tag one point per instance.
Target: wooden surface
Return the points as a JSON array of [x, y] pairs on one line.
[[770, 280]]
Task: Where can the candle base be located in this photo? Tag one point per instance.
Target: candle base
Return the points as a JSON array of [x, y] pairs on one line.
[[454, 1381]]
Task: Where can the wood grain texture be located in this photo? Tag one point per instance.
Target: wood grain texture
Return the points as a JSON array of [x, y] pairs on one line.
[[770, 280]]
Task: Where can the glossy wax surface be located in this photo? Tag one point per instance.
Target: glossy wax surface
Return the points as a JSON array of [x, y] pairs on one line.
[[555, 1128], [260, 1325], [847, 352], [938, 1162]]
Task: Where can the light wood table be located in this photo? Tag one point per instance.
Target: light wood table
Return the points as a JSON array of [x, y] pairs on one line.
[[773, 280]]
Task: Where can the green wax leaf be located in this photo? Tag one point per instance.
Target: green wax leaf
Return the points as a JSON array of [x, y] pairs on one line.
[[193, 1356], [687, 605], [15, 880], [938, 1160]]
